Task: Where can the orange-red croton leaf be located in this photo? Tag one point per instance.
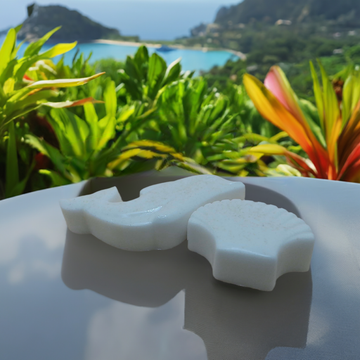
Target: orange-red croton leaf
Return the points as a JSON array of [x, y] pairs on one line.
[[278, 84], [272, 110]]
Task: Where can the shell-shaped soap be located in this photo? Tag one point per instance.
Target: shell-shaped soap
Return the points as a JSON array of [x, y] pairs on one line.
[[250, 243], [156, 220]]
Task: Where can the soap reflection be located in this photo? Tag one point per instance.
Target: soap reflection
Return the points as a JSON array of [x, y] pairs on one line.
[[123, 331], [234, 322]]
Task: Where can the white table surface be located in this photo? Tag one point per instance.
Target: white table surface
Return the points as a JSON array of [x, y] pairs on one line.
[[68, 296]]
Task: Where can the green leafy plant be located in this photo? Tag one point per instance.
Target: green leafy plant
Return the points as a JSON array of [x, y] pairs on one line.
[[197, 121], [144, 77], [24, 87], [80, 141], [98, 147]]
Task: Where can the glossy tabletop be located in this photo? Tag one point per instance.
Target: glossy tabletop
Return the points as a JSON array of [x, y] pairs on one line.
[[69, 296]]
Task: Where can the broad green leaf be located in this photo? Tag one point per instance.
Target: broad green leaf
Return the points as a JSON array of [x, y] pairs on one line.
[[68, 104], [156, 73], [107, 131], [43, 84], [141, 59], [16, 48], [125, 113], [132, 85], [172, 72], [62, 83], [312, 118], [332, 124], [318, 96], [35, 47], [8, 71], [71, 132], [132, 71], [26, 62], [92, 119], [351, 97], [6, 49], [9, 86], [331, 107], [110, 98], [58, 49]]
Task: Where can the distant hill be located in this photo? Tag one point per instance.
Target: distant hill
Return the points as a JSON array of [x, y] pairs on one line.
[[282, 32], [294, 10], [74, 26]]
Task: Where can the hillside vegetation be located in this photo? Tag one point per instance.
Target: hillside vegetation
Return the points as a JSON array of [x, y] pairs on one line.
[[288, 33], [298, 11]]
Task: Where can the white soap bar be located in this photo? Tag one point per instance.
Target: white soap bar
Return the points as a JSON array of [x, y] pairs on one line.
[[156, 220], [250, 243]]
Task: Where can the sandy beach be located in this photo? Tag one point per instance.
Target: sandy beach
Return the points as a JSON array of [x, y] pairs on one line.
[[157, 46]]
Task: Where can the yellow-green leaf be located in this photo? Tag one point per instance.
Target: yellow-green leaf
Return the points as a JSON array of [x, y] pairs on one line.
[[9, 86], [6, 49], [58, 49], [61, 83], [318, 95]]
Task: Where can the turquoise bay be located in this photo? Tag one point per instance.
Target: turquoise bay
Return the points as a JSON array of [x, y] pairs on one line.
[[190, 59]]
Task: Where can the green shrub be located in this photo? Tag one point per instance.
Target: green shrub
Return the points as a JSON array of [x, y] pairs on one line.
[[25, 87]]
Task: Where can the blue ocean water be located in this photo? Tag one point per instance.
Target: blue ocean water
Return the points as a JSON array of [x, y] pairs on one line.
[[190, 59]]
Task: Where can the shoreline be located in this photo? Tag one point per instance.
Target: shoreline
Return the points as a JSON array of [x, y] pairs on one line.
[[239, 54]]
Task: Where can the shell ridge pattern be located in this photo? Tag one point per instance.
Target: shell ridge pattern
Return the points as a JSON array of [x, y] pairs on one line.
[[255, 242]]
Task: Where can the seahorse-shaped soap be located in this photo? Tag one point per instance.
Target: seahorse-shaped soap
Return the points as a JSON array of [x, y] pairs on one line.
[[155, 220]]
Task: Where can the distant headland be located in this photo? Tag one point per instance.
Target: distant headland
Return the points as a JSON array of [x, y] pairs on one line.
[[74, 26]]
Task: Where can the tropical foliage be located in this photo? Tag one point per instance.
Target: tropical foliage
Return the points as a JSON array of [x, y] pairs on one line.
[[330, 134], [160, 116], [24, 87], [150, 115]]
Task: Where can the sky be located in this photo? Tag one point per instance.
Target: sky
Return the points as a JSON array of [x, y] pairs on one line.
[[150, 19]]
